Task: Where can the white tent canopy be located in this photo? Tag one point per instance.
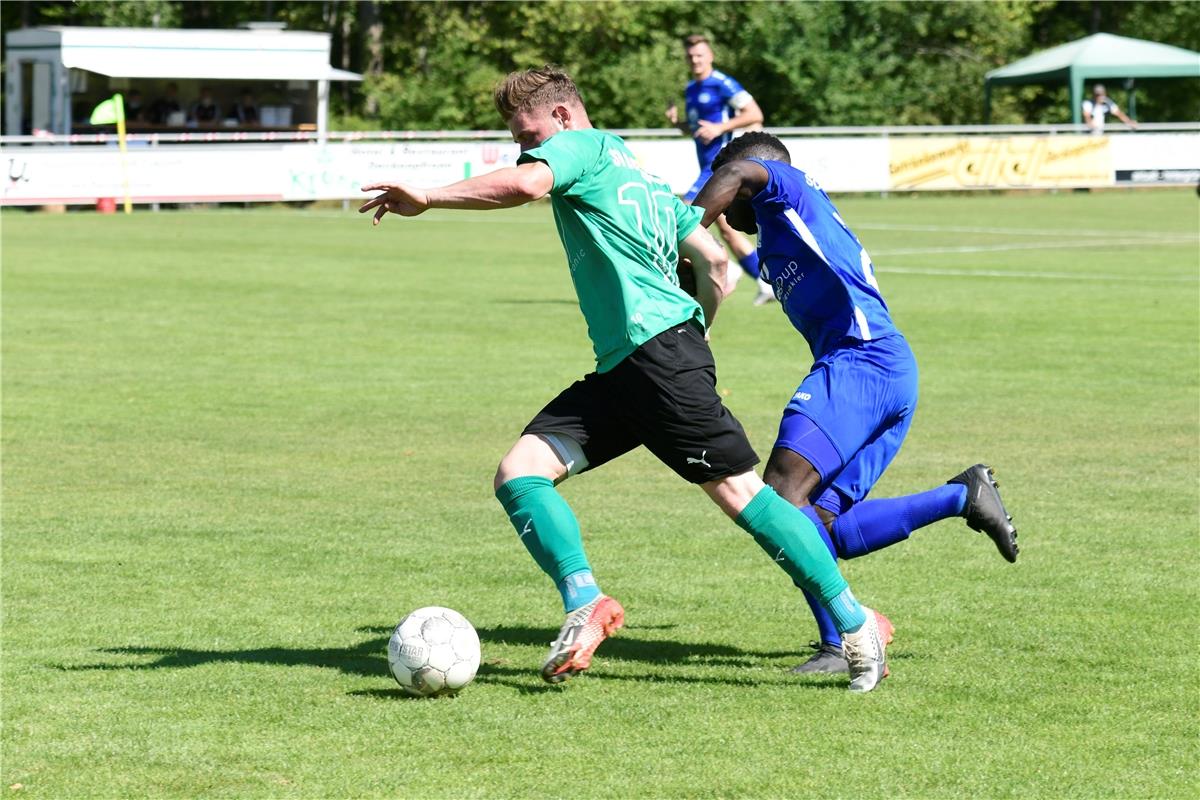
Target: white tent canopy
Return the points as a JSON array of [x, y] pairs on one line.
[[233, 55]]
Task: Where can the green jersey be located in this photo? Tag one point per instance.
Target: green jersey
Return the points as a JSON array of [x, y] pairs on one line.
[[621, 228]]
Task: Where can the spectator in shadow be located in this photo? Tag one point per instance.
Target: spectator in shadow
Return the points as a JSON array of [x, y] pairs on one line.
[[246, 110], [135, 108], [205, 111], [165, 106]]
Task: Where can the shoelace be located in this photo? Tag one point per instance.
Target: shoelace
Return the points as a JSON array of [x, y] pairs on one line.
[[859, 657], [854, 656]]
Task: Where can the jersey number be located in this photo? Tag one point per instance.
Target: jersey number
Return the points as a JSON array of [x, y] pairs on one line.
[[655, 224]]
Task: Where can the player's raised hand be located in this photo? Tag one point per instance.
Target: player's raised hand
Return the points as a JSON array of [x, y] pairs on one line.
[[397, 198]]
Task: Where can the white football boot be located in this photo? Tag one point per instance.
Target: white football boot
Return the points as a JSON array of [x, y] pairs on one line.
[[865, 654]]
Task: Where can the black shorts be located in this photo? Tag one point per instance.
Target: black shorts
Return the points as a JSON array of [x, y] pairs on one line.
[[663, 395]]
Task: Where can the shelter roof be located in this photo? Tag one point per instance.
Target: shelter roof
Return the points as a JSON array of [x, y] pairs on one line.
[[177, 53], [1102, 55]]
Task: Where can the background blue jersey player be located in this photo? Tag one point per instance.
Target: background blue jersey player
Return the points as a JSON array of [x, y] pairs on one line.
[[716, 105], [849, 416]]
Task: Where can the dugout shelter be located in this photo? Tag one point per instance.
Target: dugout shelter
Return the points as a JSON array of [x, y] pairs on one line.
[[1102, 56], [54, 76]]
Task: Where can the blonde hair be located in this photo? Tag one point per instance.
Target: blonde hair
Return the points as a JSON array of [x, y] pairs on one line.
[[534, 88], [695, 39]]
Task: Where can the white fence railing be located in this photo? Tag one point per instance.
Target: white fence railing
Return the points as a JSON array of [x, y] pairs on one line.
[[272, 167], [201, 137]]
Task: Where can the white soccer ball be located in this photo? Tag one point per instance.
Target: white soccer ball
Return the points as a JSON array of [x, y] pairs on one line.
[[433, 651]]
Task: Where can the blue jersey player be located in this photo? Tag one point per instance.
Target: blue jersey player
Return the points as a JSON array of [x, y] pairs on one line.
[[716, 105], [849, 416], [654, 383]]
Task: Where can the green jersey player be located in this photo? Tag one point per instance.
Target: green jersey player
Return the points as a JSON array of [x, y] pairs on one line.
[[654, 383]]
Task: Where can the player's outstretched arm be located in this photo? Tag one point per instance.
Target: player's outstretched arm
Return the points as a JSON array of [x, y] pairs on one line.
[[1121, 115], [736, 179], [398, 198], [709, 263], [504, 188]]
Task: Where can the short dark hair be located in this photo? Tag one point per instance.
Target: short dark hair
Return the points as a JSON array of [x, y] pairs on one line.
[[755, 144], [695, 39], [532, 88]]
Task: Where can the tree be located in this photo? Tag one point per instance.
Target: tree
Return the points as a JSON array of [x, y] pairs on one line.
[[432, 65]]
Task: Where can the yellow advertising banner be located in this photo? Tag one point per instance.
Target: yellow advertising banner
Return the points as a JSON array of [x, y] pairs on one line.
[[1000, 162]]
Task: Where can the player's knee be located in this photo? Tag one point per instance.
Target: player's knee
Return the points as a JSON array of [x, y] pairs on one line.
[[501, 477], [827, 517], [776, 477], [518, 465], [535, 456], [793, 485], [734, 492]]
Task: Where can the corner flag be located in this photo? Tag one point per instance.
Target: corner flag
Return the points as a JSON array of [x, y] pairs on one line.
[[110, 111]]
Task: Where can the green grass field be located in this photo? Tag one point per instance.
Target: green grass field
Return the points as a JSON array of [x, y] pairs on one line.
[[238, 446]]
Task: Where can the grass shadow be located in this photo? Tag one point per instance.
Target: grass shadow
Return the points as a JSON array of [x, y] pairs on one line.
[[368, 658], [627, 646]]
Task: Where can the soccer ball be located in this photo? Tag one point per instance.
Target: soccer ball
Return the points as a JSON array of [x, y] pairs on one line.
[[433, 651]]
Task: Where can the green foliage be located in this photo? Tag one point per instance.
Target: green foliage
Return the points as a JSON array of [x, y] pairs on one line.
[[109, 13], [832, 63], [1176, 23], [447, 84], [807, 63]]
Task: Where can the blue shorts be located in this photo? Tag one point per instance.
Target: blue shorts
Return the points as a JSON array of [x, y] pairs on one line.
[[850, 416], [705, 174]]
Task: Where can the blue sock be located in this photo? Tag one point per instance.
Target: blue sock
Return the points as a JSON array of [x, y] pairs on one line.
[[750, 263], [876, 524], [826, 629], [578, 589]]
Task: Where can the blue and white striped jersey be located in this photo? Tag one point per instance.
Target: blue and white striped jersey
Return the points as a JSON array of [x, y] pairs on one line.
[[821, 274], [714, 99]]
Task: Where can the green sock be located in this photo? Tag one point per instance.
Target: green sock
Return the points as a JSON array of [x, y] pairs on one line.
[[792, 540], [546, 525]]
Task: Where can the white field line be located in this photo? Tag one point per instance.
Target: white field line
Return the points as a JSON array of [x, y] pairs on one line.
[[1143, 238], [1164, 239], [1127, 237], [515, 219], [492, 217], [1051, 276], [1059, 233]]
